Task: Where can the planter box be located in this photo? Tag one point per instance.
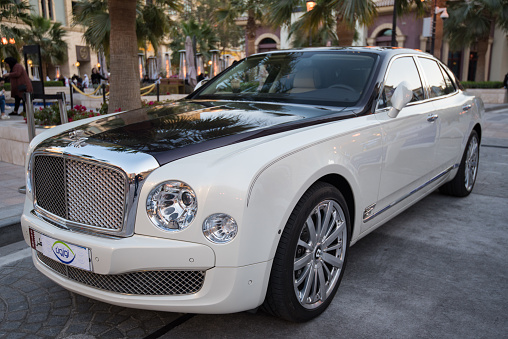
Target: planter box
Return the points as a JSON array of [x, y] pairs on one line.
[[490, 96]]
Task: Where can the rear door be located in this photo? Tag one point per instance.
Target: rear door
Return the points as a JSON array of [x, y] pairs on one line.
[[451, 108]]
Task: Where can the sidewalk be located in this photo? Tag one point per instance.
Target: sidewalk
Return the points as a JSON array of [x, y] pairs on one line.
[[13, 177], [11, 201]]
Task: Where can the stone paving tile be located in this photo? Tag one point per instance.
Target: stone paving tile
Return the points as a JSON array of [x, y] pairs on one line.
[[32, 306]]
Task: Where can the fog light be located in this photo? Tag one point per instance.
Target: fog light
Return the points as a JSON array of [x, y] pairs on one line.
[[220, 228]]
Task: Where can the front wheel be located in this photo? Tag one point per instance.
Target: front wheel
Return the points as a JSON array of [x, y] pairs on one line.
[[464, 180], [311, 256]]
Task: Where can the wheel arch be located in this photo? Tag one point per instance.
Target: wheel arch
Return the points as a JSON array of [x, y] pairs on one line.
[[478, 130], [345, 189]]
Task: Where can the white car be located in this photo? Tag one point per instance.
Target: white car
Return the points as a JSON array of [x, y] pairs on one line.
[[250, 191]]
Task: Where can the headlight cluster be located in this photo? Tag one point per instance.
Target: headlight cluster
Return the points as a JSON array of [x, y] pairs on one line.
[[172, 205]]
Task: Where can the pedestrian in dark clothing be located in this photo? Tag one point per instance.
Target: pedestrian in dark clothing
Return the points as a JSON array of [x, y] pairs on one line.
[[505, 82], [20, 83], [96, 78]]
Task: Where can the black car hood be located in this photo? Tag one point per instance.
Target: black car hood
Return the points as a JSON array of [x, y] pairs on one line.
[[173, 131]]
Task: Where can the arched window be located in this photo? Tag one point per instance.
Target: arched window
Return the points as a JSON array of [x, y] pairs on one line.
[[266, 45], [384, 38]]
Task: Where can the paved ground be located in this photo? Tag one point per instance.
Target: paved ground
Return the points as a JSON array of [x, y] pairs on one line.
[[437, 270]]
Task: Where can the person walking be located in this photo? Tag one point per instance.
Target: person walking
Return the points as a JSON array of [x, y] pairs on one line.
[[20, 83], [96, 78]]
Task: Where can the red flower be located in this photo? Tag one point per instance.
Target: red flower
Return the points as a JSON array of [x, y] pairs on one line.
[[70, 119]]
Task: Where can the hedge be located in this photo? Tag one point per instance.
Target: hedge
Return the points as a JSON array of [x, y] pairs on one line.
[[482, 84], [7, 86]]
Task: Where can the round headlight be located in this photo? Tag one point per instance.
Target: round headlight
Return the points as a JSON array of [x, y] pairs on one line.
[[220, 228], [172, 205]]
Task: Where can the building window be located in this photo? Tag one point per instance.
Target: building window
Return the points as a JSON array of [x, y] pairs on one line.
[[47, 9]]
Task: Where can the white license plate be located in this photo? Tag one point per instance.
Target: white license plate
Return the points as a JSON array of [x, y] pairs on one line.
[[68, 254]]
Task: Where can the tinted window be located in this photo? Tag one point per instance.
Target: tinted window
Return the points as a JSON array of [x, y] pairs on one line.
[[437, 83], [402, 69], [450, 84], [322, 78]]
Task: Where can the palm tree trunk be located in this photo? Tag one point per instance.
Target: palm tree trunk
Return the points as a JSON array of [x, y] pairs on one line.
[[251, 33], [124, 80]]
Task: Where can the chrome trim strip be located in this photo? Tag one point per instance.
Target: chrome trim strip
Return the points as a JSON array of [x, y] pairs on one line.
[[448, 170], [135, 166]]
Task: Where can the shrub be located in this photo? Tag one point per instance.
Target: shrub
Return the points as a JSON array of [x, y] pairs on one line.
[[482, 84], [51, 115]]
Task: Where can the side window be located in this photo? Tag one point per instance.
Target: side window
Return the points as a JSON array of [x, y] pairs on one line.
[[450, 85], [437, 83], [402, 69]]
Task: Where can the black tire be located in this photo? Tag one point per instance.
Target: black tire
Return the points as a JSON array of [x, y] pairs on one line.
[[326, 252], [463, 182]]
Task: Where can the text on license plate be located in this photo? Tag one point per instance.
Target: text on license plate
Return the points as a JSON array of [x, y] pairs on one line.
[[61, 251]]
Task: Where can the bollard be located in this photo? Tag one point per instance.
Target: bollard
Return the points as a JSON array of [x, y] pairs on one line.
[[72, 99], [30, 115], [103, 93], [158, 91], [63, 109]]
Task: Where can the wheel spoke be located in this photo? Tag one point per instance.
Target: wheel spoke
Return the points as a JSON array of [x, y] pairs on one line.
[[312, 230], [335, 234], [307, 286], [305, 245], [302, 261], [332, 260], [304, 276], [326, 223], [333, 248], [322, 283]]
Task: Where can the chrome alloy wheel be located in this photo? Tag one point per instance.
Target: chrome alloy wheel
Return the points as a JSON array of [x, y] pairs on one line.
[[320, 254], [471, 164]]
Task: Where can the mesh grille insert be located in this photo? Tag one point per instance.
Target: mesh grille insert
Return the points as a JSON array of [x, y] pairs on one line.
[[138, 283], [81, 192], [49, 179]]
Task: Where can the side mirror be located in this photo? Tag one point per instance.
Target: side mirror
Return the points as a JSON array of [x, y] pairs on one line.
[[201, 83], [400, 98]]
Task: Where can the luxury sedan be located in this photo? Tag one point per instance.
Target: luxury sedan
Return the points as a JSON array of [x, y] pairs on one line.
[[250, 191]]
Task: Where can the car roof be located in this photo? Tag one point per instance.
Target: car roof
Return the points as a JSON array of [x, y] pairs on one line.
[[384, 51]]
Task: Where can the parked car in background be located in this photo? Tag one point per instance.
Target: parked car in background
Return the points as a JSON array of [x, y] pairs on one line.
[[251, 190]]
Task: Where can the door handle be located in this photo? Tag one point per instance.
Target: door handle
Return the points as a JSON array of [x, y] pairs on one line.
[[432, 117], [467, 107]]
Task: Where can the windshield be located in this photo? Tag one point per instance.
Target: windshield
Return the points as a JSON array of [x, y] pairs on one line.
[[318, 78]]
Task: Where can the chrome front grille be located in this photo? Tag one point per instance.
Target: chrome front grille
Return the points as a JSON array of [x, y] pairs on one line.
[[137, 283], [84, 193]]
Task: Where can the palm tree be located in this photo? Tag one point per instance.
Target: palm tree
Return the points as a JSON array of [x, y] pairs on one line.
[[94, 16], [321, 22], [112, 25], [206, 39], [50, 37], [471, 22], [256, 11], [17, 11]]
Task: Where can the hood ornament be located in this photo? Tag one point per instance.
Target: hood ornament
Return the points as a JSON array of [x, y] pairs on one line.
[[78, 138]]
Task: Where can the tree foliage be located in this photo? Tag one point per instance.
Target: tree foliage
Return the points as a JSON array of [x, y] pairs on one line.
[[17, 11], [472, 21], [50, 37]]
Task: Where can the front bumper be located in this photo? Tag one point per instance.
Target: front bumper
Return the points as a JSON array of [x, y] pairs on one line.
[[224, 289]]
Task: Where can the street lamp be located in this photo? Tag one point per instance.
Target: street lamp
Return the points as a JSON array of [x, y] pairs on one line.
[[310, 6], [444, 15]]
